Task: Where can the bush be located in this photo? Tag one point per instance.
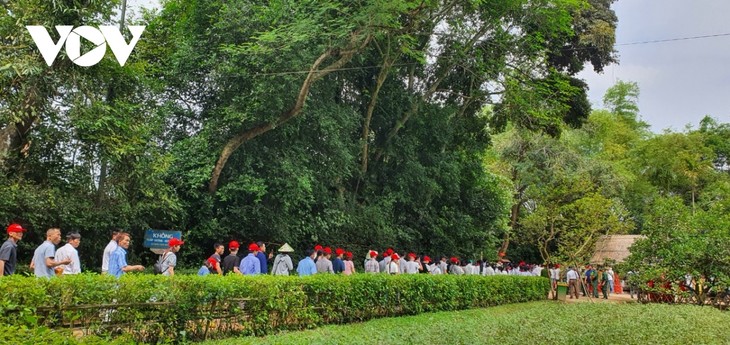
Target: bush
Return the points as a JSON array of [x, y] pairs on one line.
[[158, 308]]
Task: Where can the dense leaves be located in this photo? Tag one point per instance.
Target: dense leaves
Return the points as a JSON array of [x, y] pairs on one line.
[[198, 307]]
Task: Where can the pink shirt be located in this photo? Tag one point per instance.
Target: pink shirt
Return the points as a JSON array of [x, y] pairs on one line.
[[349, 268]]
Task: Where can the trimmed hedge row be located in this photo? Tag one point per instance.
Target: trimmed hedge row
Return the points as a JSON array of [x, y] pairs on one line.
[[157, 308]]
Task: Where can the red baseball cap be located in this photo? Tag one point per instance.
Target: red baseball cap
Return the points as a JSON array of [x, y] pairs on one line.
[[328, 250], [454, 259], [395, 256], [174, 242], [318, 247], [348, 254], [426, 258], [413, 255], [253, 247], [339, 251], [15, 227], [212, 262], [373, 253], [233, 245]]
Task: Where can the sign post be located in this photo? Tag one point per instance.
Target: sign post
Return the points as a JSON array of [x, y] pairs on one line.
[[156, 240]]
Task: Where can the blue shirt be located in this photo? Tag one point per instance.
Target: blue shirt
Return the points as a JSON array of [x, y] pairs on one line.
[[338, 265], [306, 267], [45, 250], [203, 271], [117, 260], [264, 262], [250, 265]]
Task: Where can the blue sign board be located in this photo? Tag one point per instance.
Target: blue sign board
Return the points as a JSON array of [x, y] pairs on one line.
[[157, 239]]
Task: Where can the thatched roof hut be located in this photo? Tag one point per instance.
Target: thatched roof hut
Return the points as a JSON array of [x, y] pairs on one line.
[[614, 247]]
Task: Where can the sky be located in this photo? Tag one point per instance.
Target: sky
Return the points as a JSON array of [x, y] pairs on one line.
[[681, 81]]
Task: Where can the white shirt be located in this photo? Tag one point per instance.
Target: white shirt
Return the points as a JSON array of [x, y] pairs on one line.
[[555, 273], [69, 252], [572, 275], [110, 248], [610, 275], [488, 271], [393, 268], [410, 267]]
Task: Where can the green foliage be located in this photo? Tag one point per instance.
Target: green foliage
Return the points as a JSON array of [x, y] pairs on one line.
[[185, 307], [535, 322]]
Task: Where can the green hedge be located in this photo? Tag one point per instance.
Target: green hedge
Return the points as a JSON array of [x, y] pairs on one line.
[[157, 308]]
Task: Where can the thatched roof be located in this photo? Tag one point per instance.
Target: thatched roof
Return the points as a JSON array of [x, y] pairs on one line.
[[614, 247]]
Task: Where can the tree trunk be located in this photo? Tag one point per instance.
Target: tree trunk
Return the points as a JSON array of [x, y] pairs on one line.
[[314, 74]]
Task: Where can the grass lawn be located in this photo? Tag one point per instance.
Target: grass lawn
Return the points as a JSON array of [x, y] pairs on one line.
[[529, 323]]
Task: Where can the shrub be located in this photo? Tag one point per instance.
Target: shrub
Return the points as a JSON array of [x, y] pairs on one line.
[[158, 308]]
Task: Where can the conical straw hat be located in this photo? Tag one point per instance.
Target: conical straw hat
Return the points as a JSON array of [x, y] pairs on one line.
[[286, 248]]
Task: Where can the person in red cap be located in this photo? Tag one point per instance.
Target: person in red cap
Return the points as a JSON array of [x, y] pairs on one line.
[[324, 265], [372, 265], [386, 260], [207, 266], [426, 266], [338, 265], [218, 251], [231, 262], [455, 268], [393, 266], [349, 265], [9, 249], [250, 265], [410, 266], [168, 260]]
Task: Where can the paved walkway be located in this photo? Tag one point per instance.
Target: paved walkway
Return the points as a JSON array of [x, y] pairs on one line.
[[612, 298]]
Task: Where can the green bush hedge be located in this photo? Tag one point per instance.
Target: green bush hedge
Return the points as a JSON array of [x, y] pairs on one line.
[[157, 308]]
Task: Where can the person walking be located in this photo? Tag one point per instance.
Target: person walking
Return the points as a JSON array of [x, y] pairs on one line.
[[338, 264], [69, 251], [232, 261], [169, 257], [118, 260], [306, 266], [108, 250], [393, 266], [372, 265], [603, 282], [572, 277], [609, 275], [218, 251], [282, 262], [349, 265], [44, 263], [324, 265], [250, 265], [263, 258], [9, 249]]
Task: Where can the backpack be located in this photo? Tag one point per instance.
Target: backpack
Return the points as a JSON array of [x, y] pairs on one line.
[[157, 267]]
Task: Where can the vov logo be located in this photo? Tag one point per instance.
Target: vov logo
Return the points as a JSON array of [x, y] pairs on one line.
[[72, 37]]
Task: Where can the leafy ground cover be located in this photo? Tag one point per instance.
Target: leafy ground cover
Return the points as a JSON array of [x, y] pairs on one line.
[[527, 323]]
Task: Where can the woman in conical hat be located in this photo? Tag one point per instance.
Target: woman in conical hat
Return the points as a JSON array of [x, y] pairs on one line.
[[282, 262]]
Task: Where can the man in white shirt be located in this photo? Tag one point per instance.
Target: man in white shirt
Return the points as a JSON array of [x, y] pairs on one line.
[[372, 265], [572, 278], [410, 266], [69, 251], [110, 248], [393, 267], [488, 270]]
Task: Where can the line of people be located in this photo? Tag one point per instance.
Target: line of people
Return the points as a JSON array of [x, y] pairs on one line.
[[47, 261]]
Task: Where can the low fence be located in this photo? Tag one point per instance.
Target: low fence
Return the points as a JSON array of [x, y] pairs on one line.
[[157, 308]]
